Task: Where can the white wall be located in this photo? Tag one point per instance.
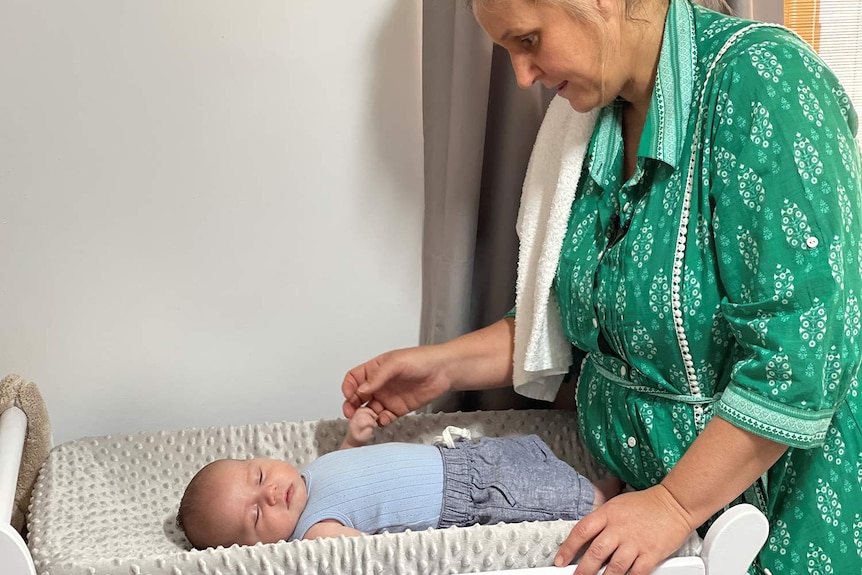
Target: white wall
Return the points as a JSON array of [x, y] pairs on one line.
[[209, 209]]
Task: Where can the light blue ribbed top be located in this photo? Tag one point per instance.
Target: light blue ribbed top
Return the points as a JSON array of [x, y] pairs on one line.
[[387, 487]]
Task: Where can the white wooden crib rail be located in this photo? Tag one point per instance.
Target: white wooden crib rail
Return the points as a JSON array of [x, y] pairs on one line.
[[729, 548], [14, 555]]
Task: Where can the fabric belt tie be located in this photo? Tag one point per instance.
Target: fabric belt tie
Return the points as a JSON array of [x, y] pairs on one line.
[[606, 365]]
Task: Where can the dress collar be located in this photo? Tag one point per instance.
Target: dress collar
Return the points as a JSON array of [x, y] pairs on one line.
[[666, 123]]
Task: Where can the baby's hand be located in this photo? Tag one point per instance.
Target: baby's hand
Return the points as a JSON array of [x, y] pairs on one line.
[[360, 428]]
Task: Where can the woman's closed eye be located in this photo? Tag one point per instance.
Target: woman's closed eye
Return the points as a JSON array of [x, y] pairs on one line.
[[529, 41]]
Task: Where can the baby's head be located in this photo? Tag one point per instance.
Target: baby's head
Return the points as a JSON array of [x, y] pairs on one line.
[[242, 501]]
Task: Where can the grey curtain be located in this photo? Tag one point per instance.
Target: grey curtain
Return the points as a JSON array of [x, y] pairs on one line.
[[479, 131], [456, 71], [766, 10]]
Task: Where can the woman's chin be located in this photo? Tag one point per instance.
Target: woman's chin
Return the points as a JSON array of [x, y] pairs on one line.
[[581, 106]]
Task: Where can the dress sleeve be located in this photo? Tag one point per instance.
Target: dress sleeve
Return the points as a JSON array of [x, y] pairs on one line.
[[785, 171]]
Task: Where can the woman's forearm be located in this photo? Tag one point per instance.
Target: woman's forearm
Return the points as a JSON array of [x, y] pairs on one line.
[[481, 359], [721, 464]]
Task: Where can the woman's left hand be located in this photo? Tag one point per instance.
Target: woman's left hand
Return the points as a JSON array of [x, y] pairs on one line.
[[631, 533]]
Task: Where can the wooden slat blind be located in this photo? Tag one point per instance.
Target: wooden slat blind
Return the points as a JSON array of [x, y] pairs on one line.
[[803, 16], [834, 29]]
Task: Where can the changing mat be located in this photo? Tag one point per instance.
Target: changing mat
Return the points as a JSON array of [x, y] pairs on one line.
[[107, 505]]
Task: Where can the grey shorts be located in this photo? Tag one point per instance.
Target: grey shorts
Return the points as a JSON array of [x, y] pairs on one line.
[[510, 479]]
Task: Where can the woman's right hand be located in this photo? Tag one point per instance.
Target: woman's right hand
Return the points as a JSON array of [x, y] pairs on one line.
[[397, 382]]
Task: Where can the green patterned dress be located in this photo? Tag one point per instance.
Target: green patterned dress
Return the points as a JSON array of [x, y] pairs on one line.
[[724, 279]]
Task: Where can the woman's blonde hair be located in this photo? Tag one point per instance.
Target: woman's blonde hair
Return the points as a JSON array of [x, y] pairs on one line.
[[581, 9]]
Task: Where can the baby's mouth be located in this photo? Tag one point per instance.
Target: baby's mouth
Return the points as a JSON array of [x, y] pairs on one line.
[[562, 86]]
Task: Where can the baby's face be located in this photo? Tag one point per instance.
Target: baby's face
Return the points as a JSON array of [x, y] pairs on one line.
[[252, 501]]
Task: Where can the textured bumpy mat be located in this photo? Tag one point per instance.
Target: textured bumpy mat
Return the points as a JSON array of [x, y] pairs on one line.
[[106, 505]]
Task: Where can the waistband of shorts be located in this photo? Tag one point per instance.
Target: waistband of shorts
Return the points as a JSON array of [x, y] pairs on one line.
[[456, 486]]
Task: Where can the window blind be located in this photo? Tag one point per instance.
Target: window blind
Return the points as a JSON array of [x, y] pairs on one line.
[[834, 29]]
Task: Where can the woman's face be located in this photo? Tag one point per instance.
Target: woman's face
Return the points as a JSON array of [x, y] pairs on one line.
[[546, 44]]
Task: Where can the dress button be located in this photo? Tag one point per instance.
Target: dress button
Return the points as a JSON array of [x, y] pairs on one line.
[[623, 370], [632, 442], [812, 242], [626, 207], [595, 322]]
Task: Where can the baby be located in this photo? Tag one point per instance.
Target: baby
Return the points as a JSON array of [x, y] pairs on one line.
[[386, 487]]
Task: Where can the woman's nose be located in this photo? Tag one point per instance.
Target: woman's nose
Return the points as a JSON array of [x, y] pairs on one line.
[[526, 72]]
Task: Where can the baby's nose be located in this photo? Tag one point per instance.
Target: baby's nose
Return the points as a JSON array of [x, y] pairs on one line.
[[272, 494]]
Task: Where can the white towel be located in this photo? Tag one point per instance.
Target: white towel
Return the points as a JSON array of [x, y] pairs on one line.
[[542, 354]]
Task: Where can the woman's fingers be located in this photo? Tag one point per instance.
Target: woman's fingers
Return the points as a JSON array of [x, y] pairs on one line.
[[361, 382], [348, 409], [620, 562], [378, 373], [631, 533], [391, 384], [384, 416], [377, 408], [350, 389], [387, 417], [583, 532], [604, 550], [599, 552]]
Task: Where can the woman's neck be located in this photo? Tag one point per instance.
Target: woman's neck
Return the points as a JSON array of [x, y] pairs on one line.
[[642, 37]]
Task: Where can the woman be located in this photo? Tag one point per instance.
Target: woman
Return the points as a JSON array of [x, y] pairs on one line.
[[711, 271]]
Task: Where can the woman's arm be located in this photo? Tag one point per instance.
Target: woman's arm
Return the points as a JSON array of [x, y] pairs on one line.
[[482, 359], [633, 532], [722, 463], [403, 380]]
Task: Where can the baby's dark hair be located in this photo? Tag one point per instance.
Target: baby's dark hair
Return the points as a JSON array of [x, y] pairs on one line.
[[190, 504]]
